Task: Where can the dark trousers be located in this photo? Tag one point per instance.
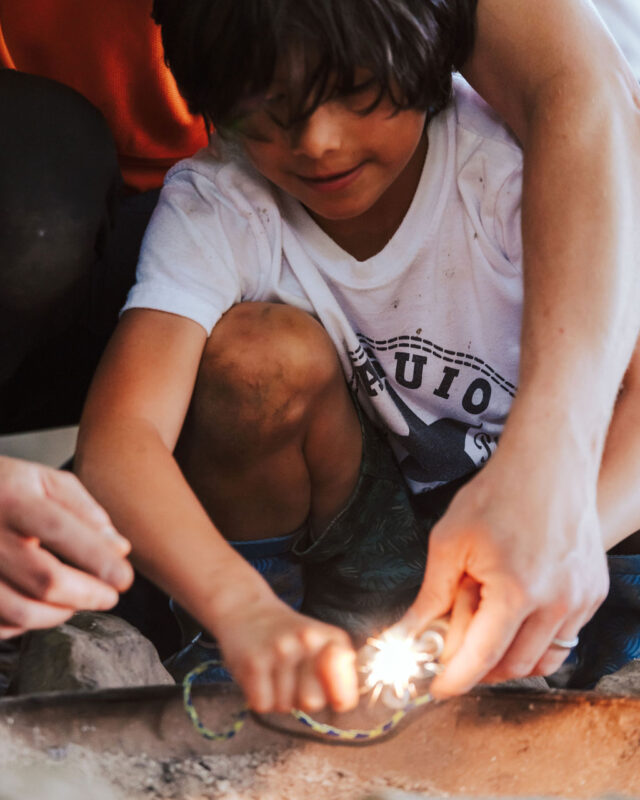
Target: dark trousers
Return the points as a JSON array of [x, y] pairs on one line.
[[69, 242]]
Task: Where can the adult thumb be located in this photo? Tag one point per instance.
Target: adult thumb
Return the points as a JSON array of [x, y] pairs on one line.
[[436, 596]]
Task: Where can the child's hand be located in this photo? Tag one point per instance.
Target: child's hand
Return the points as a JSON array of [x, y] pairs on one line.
[[284, 660]]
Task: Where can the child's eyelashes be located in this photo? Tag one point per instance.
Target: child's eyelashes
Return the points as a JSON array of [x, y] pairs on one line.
[[276, 112]]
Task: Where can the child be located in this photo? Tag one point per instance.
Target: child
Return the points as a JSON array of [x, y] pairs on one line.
[[355, 224]]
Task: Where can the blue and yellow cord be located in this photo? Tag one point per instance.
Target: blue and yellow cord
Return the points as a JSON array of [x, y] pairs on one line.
[[330, 731]]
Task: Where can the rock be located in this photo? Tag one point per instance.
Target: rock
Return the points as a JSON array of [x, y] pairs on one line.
[[535, 683], [91, 651], [625, 681], [9, 656]]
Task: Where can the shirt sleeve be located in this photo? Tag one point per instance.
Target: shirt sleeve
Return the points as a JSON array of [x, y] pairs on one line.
[[508, 217], [196, 253]]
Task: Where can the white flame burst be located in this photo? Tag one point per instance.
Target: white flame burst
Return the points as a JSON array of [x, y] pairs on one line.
[[395, 662]]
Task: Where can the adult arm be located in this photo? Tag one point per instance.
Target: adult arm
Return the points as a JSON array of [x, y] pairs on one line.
[[525, 532], [618, 495], [129, 429], [46, 515]]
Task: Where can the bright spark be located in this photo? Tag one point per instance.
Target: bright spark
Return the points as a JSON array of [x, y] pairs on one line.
[[394, 664], [391, 664]]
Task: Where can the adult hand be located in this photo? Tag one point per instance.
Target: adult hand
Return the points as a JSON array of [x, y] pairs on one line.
[[517, 560], [45, 512]]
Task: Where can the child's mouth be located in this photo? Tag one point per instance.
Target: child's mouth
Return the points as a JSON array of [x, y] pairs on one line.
[[334, 181]]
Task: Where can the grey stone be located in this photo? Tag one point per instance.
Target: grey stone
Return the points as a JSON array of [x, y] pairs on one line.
[[534, 683], [9, 656], [91, 651], [625, 681]]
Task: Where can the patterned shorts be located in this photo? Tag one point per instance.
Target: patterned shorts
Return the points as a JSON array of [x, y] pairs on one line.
[[361, 573], [364, 570]]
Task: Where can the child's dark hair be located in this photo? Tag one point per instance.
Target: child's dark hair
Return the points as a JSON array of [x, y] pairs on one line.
[[223, 53]]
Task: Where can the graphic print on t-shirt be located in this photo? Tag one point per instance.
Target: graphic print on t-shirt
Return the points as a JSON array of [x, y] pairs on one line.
[[436, 452]]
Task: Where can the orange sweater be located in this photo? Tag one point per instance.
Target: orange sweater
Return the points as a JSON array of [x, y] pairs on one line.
[[110, 51]]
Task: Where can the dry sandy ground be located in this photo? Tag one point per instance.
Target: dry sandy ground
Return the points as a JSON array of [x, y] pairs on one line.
[[487, 744]]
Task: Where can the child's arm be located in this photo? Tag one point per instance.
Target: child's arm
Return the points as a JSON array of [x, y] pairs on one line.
[[129, 429], [573, 103]]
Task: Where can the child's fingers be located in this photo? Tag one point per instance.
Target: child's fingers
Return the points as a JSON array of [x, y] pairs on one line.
[[256, 679], [337, 673], [311, 696], [285, 685], [289, 653]]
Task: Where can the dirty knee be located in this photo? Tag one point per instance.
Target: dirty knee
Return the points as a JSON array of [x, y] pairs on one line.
[[263, 366]]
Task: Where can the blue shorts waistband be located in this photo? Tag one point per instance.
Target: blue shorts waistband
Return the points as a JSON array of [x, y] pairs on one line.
[[263, 548]]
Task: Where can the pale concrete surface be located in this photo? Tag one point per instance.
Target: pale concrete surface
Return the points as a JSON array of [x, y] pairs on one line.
[[52, 447]]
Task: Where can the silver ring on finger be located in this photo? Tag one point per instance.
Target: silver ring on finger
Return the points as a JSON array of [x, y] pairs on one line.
[[565, 644]]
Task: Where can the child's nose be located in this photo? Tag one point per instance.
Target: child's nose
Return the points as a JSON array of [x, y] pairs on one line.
[[320, 133]]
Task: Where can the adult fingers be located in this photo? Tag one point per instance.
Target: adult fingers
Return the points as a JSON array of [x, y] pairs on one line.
[[464, 607], [69, 537], [20, 612], [439, 587], [65, 489], [555, 656], [529, 646], [8, 632], [488, 636], [38, 574]]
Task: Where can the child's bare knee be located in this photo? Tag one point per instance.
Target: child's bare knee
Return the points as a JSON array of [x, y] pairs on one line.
[[264, 363]]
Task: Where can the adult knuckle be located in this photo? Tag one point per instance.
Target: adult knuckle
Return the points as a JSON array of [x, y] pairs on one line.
[[44, 584], [516, 668], [520, 596], [19, 614], [12, 503], [22, 548], [563, 605], [549, 663]]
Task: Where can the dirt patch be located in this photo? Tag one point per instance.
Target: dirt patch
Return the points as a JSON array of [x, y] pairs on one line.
[[140, 744]]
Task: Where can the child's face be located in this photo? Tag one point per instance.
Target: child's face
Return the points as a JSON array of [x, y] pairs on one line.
[[338, 162]]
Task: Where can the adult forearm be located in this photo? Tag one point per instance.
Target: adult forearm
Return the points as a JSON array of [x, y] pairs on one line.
[[581, 245], [174, 542], [574, 105], [618, 495]]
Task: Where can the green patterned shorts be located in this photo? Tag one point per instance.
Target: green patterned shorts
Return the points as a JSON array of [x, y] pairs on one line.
[[366, 568]]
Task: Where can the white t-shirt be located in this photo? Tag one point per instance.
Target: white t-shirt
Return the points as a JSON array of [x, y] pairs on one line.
[[427, 329], [622, 17]]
